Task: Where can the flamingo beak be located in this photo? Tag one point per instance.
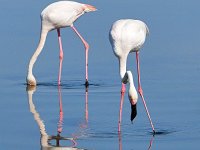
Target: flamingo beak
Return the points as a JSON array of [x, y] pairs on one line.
[[133, 111]]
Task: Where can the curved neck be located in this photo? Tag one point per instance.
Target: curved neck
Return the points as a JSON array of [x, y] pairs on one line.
[[122, 66], [132, 93], [33, 59], [128, 77]]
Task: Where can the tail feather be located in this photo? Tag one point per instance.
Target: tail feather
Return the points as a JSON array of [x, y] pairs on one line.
[[89, 8]]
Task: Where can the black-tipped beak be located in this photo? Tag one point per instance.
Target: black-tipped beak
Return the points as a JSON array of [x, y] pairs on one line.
[[133, 112]]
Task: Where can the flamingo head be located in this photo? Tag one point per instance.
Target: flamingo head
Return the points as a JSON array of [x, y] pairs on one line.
[[133, 97], [31, 80]]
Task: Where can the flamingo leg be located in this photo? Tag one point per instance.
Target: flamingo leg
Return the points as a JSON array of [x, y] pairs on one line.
[[141, 92], [60, 56], [60, 123], [123, 89], [86, 54]]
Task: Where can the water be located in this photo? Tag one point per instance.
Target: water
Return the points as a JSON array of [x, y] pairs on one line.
[[170, 70]]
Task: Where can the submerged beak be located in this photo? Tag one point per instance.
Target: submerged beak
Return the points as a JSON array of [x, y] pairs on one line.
[[133, 111]]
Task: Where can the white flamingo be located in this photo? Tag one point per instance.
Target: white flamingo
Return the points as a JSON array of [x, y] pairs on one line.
[[126, 36], [55, 16]]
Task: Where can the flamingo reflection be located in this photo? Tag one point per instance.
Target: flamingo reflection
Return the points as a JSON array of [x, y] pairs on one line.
[[46, 139], [151, 143], [120, 141]]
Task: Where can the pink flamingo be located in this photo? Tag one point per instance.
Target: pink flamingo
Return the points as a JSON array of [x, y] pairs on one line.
[[55, 16], [128, 36]]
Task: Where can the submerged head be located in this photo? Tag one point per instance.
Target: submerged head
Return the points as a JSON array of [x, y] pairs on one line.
[[30, 80]]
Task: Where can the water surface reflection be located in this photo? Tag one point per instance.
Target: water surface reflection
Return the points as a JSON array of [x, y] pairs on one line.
[[120, 142], [46, 140]]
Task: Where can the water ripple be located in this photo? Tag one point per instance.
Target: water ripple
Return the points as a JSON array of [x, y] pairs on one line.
[[103, 135], [73, 84], [162, 132]]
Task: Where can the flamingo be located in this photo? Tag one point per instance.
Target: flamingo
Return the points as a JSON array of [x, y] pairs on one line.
[[126, 36], [55, 16]]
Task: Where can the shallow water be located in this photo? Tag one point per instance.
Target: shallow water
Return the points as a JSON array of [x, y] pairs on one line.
[[170, 70]]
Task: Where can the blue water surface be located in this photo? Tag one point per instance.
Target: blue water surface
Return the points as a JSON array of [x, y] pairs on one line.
[[88, 118]]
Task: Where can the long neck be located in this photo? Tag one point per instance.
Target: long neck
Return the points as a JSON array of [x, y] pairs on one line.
[[128, 77], [122, 66], [33, 59], [132, 93]]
